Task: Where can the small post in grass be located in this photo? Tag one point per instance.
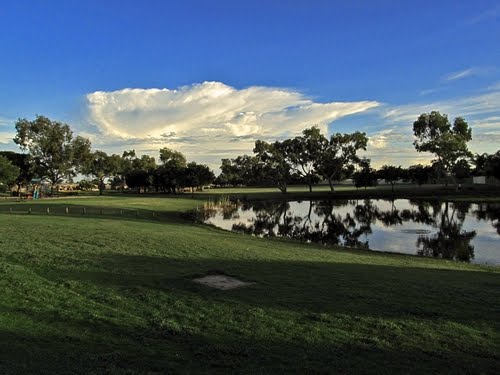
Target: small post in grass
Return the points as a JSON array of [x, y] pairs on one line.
[[84, 211], [29, 210], [154, 214], [48, 210], [67, 210], [10, 209]]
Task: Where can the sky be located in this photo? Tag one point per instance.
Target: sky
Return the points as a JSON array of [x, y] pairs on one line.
[[208, 78]]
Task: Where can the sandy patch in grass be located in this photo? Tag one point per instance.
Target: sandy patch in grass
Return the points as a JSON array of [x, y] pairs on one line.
[[221, 282]]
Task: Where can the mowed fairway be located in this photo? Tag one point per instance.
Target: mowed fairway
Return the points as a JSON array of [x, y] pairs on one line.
[[86, 294]]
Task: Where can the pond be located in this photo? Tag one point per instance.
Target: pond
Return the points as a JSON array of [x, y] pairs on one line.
[[463, 231]]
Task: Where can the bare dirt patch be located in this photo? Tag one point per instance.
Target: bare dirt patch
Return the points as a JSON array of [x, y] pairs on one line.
[[221, 282]]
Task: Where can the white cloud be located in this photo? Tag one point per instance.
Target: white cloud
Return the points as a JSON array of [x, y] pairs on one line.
[[458, 75], [428, 91], [6, 137], [209, 119], [392, 143], [469, 106]]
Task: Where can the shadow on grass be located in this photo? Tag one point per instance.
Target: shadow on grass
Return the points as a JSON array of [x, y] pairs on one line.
[[359, 289], [315, 292], [105, 349]]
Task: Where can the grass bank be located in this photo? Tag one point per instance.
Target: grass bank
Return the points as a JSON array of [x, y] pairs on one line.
[[114, 295]]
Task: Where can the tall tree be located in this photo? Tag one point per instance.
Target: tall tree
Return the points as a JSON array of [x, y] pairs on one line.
[[304, 151], [8, 173], [434, 133], [242, 170], [338, 158], [52, 147], [391, 174], [140, 174], [102, 166], [168, 176], [366, 175], [26, 169], [197, 175], [420, 174], [493, 165], [275, 163]]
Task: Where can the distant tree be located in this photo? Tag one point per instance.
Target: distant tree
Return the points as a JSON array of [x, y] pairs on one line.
[[26, 170], [338, 157], [102, 166], [479, 161], [303, 153], [242, 170], [170, 157], [8, 173], [366, 175], [85, 185], [197, 175], [140, 174], [169, 174], [420, 174], [462, 169], [493, 165], [54, 151], [434, 133], [275, 163], [391, 174]]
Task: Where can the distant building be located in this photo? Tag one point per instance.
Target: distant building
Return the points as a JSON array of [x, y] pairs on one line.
[[479, 180]]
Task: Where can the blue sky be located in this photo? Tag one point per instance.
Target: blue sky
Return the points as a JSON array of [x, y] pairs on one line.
[[210, 77]]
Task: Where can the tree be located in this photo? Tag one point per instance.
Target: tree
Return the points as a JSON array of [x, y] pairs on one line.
[[366, 175], [275, 163], [493, 165], [52, 148], [8, 173], [434, 133], [391, 174], [102, 166], [243, 170], [23, 162], [338, 158], [461, 169], [420, 174], [168, 176], [139, 175], [303, 153], [197, 175]]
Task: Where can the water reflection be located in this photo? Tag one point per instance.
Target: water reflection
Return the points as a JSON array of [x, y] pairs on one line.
[[438, 229]]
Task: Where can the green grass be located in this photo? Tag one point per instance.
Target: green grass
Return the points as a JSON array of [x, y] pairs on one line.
[[82, 294]]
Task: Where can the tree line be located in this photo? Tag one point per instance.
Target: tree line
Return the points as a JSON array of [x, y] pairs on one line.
[[312, 157], [54, 154]]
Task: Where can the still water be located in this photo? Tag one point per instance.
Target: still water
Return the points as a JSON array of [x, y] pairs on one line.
[[462, 231]]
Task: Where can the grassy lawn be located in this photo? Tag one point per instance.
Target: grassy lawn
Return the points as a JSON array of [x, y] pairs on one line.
[[113, 294]]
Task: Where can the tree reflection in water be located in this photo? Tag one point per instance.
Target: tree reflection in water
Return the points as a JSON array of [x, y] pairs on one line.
[[451, 241], [349, 222]]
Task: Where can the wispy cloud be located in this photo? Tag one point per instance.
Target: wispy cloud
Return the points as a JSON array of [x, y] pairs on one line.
[[487, 15], [392, 141], [6, 137], [483, 104], [193, 119], [428, 91], [458, 75]]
